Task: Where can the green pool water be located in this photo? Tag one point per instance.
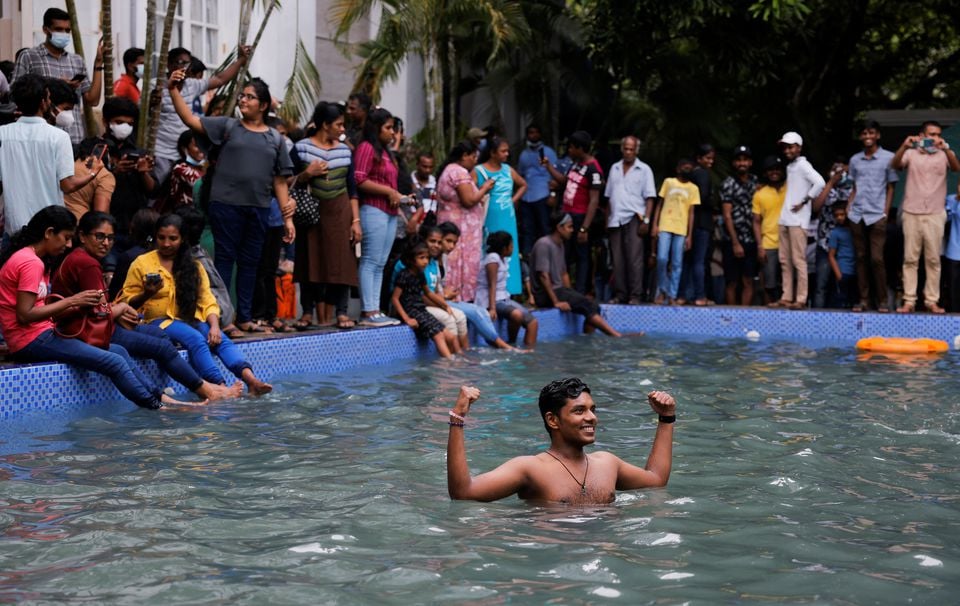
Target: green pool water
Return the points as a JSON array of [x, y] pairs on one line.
[[801, 475]]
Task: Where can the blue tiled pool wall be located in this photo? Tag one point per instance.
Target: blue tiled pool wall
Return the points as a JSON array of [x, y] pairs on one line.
[[57, 387]]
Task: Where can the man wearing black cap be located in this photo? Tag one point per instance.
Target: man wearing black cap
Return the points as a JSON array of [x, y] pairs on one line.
[[767, 204], [739, 240]]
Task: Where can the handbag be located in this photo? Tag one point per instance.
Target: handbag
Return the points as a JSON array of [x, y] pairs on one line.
[[308, 207], [93, 327]]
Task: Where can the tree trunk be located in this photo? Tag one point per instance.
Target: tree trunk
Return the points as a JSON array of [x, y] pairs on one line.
[[153, 110], [231, 101], [89, 121], [106, 27], [148, 72], [454, 74]]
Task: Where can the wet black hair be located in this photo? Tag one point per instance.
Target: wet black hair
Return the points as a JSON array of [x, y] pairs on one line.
[[448, 227], [186, 272], [426, 231], [57, 218], [556, 394], [498, 241]]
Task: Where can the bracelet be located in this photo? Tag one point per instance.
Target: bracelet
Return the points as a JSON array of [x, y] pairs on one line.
[[98, 69], [668, 419], [457, 417], [355, 221], [455, 423]]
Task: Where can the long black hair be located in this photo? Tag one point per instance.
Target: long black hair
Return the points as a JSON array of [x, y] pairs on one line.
[[371, 130], [324, 113], [186, 273], [461, 149], [57, 218]]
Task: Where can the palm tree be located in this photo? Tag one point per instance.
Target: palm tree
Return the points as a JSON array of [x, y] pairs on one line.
[[153, 109], [246, 14], [106, 27], [89, 120], [302, 89], [147, 72], [432, 30]]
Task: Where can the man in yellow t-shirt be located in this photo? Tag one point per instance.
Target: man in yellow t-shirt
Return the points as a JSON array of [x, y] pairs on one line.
[[767, 203], [672, 229]]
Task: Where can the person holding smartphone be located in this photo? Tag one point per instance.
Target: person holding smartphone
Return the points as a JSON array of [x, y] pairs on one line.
[[927, 158], [534, 208]]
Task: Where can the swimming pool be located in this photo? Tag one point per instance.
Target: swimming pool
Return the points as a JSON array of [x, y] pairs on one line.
[[802, 474]]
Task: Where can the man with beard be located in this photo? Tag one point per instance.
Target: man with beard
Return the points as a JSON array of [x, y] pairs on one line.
[[534, 211]]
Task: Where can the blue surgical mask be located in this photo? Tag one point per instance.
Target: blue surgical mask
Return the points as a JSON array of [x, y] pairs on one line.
[[194, 162], [60, 39]]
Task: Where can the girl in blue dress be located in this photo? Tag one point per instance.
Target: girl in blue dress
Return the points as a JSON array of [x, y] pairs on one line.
[[504, 198]]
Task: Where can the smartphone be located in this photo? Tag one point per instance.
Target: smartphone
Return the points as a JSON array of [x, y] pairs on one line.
[[78, 77], [133, 156], [541, 153], [153, 278], [98, 151]]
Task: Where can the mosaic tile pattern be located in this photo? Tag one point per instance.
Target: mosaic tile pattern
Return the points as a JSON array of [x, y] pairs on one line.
[[59, 389]]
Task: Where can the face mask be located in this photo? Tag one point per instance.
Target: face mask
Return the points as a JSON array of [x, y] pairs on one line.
[[194, 162], [60, 39], [121, 131], [65, 119], [140, 71], [533, 145]]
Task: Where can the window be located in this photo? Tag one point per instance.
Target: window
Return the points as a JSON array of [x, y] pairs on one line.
[[195, 27]]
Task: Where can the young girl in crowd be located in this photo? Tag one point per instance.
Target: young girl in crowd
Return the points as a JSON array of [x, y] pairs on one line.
[[184, 175], [409, 290], [475, 314], [81, 271], [26, 321], [172, 291], [492, 290]]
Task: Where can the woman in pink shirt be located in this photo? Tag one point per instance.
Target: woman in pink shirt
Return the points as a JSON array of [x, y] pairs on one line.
[[460, 201], [27, 321]]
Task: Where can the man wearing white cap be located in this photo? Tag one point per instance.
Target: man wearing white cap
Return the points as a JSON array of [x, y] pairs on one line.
[[803, 185]]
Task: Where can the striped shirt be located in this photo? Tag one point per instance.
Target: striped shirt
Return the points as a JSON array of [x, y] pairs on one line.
[[383, 172], [339, 178], [40, 61]]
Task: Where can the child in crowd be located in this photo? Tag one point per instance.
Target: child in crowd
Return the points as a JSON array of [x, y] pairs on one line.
[[178, 190], [673, 229], [476, 315], [452, 319], [492, 290], [843, 257], [409, 289]]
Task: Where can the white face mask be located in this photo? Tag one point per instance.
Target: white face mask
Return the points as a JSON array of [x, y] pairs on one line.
[[140, 71], [65, 119], [121, 131], [60, 39]]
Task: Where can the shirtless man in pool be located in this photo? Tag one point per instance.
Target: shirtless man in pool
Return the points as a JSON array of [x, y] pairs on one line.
[[564, 472]]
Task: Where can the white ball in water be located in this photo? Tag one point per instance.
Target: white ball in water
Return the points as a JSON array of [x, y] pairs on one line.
[[753, 335], [956, 342]]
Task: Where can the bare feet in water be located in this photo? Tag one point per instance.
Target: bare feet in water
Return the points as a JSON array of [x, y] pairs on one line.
[[255, 386], [214, 392], [168, 401]]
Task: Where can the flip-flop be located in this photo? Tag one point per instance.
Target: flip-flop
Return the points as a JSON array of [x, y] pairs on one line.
[[345, 323], [255, 328]]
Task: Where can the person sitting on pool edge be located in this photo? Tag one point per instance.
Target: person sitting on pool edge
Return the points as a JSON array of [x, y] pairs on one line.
[[563, 473], [551, 282]]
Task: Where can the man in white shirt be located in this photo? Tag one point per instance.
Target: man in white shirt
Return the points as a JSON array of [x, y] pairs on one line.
[[632, 194], [36, 159], [803, 185]]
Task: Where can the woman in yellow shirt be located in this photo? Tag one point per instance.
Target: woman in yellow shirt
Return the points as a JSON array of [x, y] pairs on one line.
[[172, 291]]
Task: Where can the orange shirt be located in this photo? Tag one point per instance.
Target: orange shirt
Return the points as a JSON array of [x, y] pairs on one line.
[[126, 87]]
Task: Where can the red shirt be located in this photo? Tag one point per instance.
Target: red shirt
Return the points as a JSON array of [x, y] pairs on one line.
[[126, 87], [383, 172], [581, 179], [24, 271]]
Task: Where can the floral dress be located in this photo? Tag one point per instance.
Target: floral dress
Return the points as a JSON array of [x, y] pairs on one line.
[[463, 263]]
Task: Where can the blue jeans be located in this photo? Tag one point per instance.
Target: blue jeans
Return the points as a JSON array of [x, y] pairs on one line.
[[239, 233], [194, 340], [148, 341], [114, 364], [693, 285], [534, 223], [480, 319], [822, 295], [669, 251], [379, 232]]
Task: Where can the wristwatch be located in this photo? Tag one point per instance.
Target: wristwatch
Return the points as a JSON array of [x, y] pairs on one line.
[[646, 220], [583, 230]]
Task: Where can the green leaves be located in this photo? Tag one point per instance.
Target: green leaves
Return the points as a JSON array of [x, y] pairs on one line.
[[302, 89]]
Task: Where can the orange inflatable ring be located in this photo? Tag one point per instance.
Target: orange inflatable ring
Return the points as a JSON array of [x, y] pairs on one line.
[[902, 345]]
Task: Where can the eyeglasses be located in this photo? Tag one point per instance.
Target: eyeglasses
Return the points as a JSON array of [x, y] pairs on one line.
[[246, 97], [99, 236]]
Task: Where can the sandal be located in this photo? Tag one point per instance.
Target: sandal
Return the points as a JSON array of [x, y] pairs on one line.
[[345, 323], [304, 323], [906, 308], [233, 332], [255, 327]]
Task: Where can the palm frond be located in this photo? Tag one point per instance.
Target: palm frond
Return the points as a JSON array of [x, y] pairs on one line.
[[303, 89]]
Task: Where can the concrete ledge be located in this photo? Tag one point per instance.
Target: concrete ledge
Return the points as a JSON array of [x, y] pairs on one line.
[[61, 390]]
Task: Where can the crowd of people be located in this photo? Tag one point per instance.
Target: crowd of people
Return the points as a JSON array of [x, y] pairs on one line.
[[464, 242]]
